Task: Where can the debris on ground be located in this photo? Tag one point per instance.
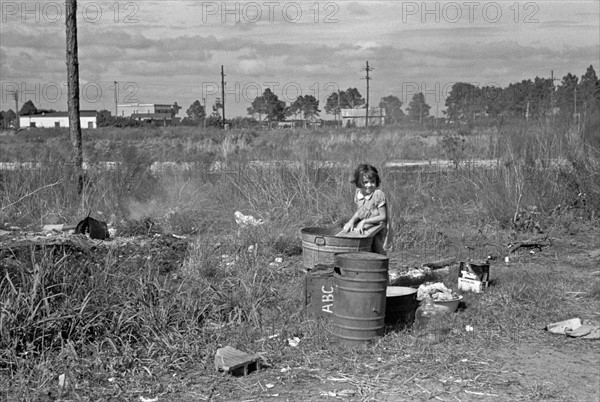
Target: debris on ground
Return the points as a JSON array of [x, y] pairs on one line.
[[575, 328], [94, 228], [446, 262], [530, 244], [163, 251], [435, 291], [236, 362], [57, 228], [247, 220]]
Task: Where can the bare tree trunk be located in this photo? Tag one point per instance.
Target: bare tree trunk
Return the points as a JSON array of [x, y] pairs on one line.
[[73, 91]]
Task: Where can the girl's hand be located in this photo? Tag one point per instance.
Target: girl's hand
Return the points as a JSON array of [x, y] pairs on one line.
[[348, 227], [360, 227]]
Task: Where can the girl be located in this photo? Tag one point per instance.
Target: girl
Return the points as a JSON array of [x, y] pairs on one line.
[[371, 208]]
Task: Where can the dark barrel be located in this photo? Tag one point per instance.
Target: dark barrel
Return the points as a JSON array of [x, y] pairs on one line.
[[360, 283], [400, 306]]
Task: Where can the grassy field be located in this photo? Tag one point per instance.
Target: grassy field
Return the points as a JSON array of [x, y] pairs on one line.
[[140, 317]]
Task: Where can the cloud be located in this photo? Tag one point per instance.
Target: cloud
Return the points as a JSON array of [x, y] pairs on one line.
[[355, 8]]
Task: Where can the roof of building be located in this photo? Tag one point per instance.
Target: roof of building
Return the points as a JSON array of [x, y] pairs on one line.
[[157, 116], [82, 113], [143, 104]]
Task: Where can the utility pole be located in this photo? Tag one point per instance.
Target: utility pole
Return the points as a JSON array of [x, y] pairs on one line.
[[73, 91], [204, 105], [116, 98], [223, 94], [367, 69], [552, 91], [339, 111], [552, 79]]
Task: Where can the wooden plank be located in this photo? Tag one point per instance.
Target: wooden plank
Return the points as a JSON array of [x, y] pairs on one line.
[[370, 232], [230, 360]]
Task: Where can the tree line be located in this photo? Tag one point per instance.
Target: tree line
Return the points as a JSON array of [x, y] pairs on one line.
[[572, 98]]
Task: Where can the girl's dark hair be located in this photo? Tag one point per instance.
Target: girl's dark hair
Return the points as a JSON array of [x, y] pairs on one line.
[[365, 170]]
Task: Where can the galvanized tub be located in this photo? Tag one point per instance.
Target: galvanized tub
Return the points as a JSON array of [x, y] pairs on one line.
[[360, 283], [320, 244]]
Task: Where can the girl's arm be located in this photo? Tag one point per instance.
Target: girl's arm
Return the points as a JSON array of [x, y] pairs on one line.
[[380, 217], [350, 224]]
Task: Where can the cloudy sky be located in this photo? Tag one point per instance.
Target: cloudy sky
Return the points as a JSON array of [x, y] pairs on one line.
[[172, 51]]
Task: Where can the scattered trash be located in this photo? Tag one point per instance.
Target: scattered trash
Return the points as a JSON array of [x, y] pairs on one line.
[[440, 264], [530, 244], [470, 285], [246, 221], [236, 362], [343, 393], [95, 228], [61, 380], [469, 328], [269, 386], [474, 276], [148, 399], [575, 328], [294, 342], [435, 291], [57, 228], [268, 337], [278, 260]]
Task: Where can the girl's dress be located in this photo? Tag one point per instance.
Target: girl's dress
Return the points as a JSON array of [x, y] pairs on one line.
[[368, 206]]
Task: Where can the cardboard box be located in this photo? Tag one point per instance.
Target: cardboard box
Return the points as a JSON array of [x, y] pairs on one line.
[[475, 270], [471, 285]]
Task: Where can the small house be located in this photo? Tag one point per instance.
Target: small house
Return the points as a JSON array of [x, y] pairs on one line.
[[357, 117], [87, 118]]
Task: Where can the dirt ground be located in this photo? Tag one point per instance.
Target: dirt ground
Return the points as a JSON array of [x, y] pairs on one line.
[[547, 367]]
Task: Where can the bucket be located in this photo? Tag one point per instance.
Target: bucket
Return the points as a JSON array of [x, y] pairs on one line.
[[360, 283], [320, 244], [400, 305]]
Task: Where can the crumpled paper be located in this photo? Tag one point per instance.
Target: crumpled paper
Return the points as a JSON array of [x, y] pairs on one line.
[[575, 328]]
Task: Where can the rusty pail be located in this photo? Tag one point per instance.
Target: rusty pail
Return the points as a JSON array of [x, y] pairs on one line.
[[400, 305]]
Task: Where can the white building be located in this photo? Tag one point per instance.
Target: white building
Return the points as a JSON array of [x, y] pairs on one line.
[[148, 112], [356, 117], [87, 119], [129, 109]]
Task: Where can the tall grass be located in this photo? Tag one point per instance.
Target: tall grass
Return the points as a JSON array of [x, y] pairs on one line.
[[125, 309]]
